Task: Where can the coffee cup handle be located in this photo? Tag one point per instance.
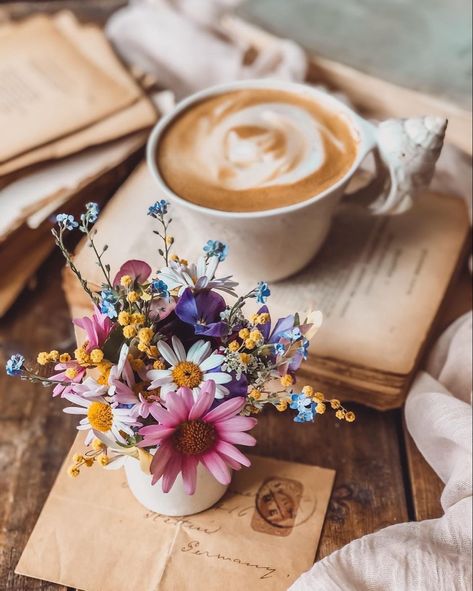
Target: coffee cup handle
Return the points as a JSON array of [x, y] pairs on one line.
[[405, 153]]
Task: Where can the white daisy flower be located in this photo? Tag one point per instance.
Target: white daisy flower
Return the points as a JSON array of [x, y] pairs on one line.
[[189, 369], [102, 417], [90, 388], [199, 276]]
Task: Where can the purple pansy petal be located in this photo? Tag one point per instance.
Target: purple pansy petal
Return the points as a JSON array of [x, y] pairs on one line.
[[203, 312], [210, 304], [282, 325], [217, 329], [186, 307]]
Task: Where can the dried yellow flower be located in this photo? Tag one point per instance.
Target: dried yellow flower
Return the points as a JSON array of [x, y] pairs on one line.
[[129, 331], [124, 318], [126, 281], [96, 356], [286, 380]]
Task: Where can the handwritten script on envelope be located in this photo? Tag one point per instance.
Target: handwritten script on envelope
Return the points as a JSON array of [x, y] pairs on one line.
[[93, 535]]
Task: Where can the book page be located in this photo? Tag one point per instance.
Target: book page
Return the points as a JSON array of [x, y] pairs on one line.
[[378, 280], [60, 179], [48, 88], [139, 115]]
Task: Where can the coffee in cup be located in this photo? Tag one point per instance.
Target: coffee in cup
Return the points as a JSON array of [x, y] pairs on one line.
[[255, 150], [263, 166]]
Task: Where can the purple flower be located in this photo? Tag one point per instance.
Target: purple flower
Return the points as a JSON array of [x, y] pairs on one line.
[[282, 328], [202, 311]]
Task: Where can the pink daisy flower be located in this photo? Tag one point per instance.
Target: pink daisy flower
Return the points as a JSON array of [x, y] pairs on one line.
[[97, 328], [125, 389], [189, 432], [71, 372]]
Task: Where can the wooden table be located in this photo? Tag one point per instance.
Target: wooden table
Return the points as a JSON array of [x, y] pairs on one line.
[[381, 477]]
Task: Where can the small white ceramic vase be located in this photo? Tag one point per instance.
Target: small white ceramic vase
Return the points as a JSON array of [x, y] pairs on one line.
[[176, 502]]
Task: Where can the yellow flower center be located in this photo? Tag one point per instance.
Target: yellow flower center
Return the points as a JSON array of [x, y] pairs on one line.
[[71, 373], [100, 416], [187, 374], [194, 437]]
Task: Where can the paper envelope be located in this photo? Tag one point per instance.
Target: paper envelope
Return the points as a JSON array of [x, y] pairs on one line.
[[93, 535]]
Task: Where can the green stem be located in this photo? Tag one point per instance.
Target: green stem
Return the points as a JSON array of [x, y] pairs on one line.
[[66, 254], [99, 260]]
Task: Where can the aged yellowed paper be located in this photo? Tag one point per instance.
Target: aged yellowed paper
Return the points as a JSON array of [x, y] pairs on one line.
[[91, 41], [93, 535], [48, 88]]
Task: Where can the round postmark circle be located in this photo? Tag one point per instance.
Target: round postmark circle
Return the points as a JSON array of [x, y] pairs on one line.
[[283, 504]]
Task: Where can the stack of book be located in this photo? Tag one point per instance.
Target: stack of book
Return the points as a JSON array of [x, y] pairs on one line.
[[70, 114]]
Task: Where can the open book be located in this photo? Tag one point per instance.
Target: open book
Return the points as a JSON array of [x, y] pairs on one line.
[[379, 282]]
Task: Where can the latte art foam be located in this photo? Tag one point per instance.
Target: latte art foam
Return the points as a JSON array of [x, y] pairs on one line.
[[254, 150]]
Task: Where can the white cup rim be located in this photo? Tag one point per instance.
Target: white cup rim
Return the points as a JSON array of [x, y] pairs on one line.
[[365, 131]]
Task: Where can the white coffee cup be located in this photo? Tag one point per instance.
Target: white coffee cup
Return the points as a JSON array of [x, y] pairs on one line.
[[275, 243]]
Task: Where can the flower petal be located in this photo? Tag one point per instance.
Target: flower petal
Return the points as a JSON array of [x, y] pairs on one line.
[[238, 437], [172, 470], [187, 398], [165, 380], [230, 462], [163, 416], [74, 410], [167, 353], [236, 424], [166, 389], [232, 452], [189, 474], [202, 405], [218, 377], [198, 351], [136, 269], [176, 406], [212, 265], [221, 392], [225, 410], [153, 434], [217, 467], [211, 362], [186, 308], [178, 348], [159, 461]]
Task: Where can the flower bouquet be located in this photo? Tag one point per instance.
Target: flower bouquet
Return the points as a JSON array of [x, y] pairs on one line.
[[170, 374]]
